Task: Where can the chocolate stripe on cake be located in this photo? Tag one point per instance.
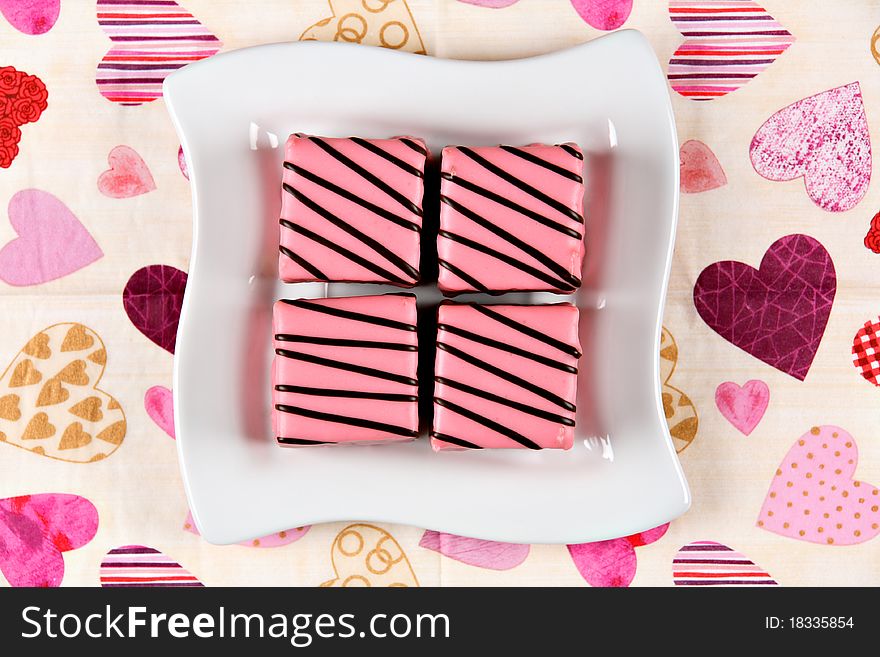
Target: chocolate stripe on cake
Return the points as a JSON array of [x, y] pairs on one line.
[[348, 394], [501, 200], [541, 162], [366, 175], [302, 262], [486, 422], [349, 367], [350, 314], [513, 262], [503, 346], [528, 330], [416, 146], [345, 419], [345, 342], [381, 152], [377, 246], [521, 184], [344, 193], [571, 150], [498, 399], [452, 440], [545, 260], [467, 278], [302, 441], [351, 255], [507, 376]]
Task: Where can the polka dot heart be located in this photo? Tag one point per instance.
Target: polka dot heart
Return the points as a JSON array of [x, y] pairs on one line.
[[814, 497]]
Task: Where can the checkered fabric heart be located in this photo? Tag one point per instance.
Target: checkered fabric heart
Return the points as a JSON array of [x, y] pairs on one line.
[[866, 351]]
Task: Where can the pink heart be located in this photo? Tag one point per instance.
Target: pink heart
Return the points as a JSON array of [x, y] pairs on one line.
[[700, 169], [31, 16], [723, 48], [813, 496], [36, 529], [181, 162], [141, 566], [159, 403], [127, 176], [707, 563], [603, 14], [52, 242], [145, 52], [279, 539], [612, 562], [152, 299], [476, 552], [743, 406], [776, 313], [824, 139]]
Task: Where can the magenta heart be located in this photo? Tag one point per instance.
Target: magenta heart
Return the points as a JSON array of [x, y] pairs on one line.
[[152, 299], [743, 406], [776, 313], [159, 404], [612, 562], [36, 529], [603, 14], [476, 552], [52, 242], [31, 16], [824, 139]]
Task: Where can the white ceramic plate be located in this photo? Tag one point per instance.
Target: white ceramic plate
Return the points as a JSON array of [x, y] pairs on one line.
[[233, 113]]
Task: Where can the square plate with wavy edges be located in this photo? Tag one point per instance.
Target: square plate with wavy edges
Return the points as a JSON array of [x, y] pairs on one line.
[[233, 113]]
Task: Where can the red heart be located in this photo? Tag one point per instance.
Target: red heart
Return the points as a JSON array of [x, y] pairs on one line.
[[866, 352], [23, 98], [127, 176], [700, 169]]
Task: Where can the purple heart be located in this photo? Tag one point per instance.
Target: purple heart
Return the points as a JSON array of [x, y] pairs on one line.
[[152, 299], [776, 313]]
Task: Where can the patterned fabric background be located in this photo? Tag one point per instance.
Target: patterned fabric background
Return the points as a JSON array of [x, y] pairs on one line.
[[770, 353]]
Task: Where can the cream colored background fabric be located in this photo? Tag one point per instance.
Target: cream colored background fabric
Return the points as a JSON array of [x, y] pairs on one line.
[[138, 491]]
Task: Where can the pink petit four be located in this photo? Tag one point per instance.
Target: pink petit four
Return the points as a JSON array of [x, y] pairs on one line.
[[351, 210], [510, 219], [506, 376], [345, 370]]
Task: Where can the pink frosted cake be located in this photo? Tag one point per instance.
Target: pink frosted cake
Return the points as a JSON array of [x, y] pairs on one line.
[[506, 376], [511, 219], [345, 370], [351, 210]]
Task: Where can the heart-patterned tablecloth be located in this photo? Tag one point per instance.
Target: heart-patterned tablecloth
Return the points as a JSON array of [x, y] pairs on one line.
[[769, 357]]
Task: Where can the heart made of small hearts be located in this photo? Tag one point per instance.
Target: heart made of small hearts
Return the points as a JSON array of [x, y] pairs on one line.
[[366, 555], [49, 400], [814, 495], [681, 414]]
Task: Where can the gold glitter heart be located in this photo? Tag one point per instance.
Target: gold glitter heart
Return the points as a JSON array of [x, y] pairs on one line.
[[88, 409], [38, 428], [9, 409], [38, 346], [77, 339], [52, 393], [74, 437], [25, 374]]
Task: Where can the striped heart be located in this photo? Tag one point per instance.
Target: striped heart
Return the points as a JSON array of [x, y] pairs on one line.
[[706, 563], [727, 43], [151, 39], [139, 566]]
